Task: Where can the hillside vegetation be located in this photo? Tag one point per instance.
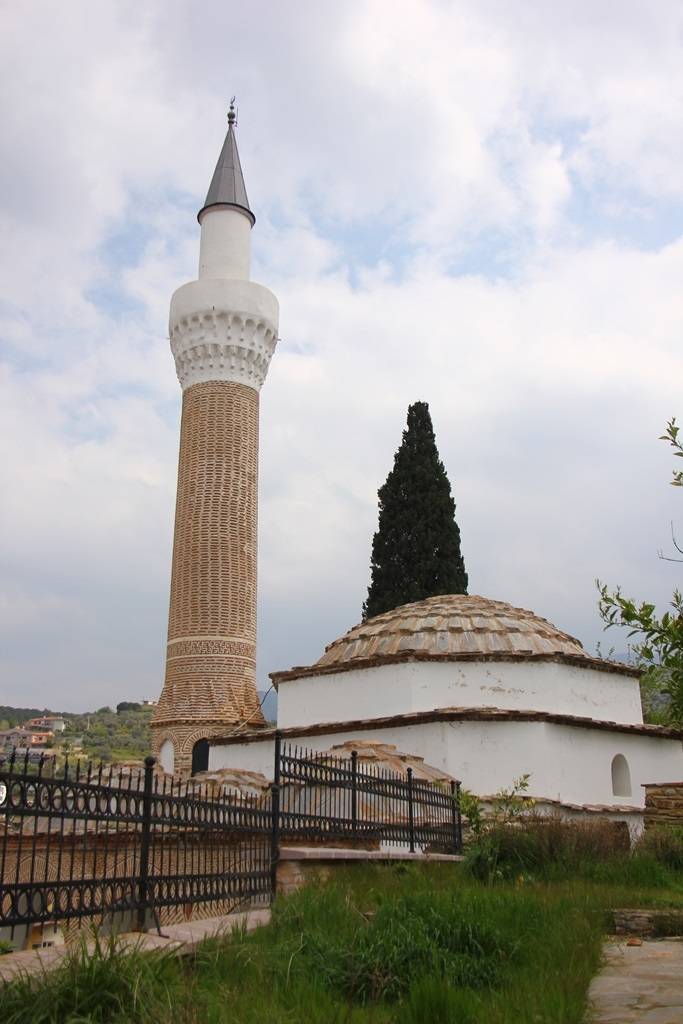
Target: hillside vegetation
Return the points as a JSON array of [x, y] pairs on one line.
[[121, 734], [102, 735]]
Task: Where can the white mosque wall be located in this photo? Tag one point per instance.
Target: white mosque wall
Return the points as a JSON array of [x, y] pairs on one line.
[[252, 757], [425, 685], [167, 756], [566, 763]]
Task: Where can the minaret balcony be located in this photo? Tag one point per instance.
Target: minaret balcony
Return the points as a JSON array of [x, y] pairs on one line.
[[223, 330]]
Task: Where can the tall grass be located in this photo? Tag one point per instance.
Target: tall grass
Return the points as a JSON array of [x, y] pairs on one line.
[[553, 849], [95, 986], [405, 945], [665, 845]]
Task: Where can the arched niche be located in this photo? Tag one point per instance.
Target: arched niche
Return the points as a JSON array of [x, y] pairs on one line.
[[167, 756], [621, 776], [200, 756]]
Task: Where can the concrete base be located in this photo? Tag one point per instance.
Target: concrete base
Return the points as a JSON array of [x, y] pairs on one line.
[[180, 938], [639, 984]]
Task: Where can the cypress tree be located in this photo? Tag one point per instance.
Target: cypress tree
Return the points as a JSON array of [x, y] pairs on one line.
[[416, 550]]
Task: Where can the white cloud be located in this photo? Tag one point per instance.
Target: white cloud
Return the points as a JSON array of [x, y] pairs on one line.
[[384, 144]]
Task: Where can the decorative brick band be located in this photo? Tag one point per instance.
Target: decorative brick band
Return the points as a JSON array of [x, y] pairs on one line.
[[210, 667], [210, 648]]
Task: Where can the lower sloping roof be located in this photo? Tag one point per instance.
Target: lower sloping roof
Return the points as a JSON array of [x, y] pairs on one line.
[[451, 714]]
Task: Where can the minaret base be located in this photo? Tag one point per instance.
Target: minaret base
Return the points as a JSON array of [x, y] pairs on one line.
[[175, 744]]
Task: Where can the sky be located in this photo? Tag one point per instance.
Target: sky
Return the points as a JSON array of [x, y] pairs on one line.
[[474, 203]]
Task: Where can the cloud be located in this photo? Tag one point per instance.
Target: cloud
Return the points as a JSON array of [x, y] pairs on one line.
[[472, 204]]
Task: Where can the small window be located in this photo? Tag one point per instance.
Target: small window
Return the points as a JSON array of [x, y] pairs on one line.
[[621, 776], [200, 756]]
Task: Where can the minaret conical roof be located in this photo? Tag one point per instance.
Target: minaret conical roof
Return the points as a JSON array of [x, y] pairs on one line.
[[227, 186]]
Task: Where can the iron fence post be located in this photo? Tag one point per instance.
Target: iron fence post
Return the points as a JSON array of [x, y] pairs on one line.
[[411, 821], [145, 837], [454, 815], [459, 816], [275, 815], [354, 792]]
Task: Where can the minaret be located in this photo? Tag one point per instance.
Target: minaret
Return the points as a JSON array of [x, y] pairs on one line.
[[223, 331]]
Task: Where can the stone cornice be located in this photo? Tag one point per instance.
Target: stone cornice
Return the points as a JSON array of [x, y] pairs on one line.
[[597, 664], [219, 344]]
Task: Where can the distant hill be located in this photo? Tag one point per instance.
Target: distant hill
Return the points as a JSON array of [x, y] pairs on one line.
[[102, 735], [17, 716], [269, 705], [107, 734]]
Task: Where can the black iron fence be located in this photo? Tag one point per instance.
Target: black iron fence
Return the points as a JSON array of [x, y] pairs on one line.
[[105, 842], [324, 797], [91, 842]]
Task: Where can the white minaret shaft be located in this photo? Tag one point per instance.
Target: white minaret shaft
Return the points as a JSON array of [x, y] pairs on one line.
[[225, 245], [223, 331]]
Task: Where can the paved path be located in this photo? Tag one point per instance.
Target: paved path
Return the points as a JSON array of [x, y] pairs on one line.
[[639, 984], [179, 937]]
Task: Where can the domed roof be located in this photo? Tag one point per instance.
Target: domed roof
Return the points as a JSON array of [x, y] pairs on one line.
[[451, 626]]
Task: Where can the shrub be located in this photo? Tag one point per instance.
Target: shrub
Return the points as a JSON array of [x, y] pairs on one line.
[[538, 845], [540, 841], [665, 844]]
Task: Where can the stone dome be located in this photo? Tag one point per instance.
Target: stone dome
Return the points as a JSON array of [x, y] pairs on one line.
[[451, 626]]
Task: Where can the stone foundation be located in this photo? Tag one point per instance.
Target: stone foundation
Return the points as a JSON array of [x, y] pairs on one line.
[[663, 803], [648, 923], [299, 865]]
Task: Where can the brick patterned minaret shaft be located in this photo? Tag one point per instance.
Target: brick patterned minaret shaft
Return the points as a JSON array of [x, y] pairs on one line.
[[223, 330]]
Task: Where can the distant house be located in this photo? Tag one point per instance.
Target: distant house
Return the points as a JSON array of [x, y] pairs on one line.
[[25, 739], [55, 723]]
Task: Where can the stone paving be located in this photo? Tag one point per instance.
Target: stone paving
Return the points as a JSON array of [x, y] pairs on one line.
[[182, 938], [639, 984]]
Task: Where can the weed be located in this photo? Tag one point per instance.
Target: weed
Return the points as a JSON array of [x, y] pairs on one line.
[[665, 844]]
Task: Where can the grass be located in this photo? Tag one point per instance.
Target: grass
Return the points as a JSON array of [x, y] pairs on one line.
[[381, 945], [553, 849]]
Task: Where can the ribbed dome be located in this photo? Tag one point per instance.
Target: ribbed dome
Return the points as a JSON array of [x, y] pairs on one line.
[[452, 625]]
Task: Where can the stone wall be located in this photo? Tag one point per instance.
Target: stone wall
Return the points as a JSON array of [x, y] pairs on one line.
[[663, 803], [298, 866]]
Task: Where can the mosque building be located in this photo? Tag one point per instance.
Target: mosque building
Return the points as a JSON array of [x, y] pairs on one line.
[[479, 689]]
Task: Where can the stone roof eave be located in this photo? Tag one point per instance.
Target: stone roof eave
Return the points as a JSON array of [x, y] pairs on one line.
[[581, 661], [477, 714]]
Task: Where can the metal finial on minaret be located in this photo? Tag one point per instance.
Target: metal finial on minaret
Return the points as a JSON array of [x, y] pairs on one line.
[[227, 186]]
